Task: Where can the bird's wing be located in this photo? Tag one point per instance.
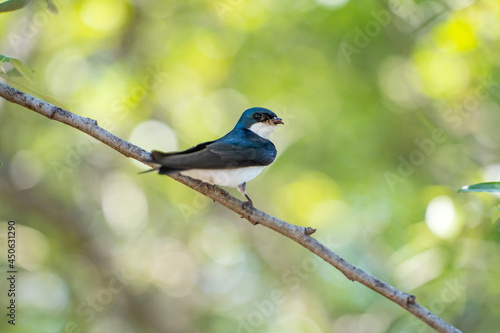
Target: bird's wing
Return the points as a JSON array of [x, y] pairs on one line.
[[216, 155]]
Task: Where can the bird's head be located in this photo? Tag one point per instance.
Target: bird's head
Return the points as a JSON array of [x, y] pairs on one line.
[[261, 121]]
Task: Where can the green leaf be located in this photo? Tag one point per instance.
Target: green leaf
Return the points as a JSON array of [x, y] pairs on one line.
[[10, 5], [3, 58], [52, 7], [24, 70], [482, 187], [19, 66]]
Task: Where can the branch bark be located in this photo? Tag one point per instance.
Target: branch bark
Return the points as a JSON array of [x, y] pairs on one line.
[[300, 235]]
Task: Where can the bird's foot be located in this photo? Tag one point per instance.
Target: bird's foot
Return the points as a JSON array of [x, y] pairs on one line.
[[249, 201], [247, 204]]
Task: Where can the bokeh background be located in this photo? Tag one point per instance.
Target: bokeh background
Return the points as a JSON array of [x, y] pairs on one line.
[[390, 107]]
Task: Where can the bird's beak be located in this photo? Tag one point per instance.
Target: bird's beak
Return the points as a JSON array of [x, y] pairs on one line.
[[277, 121]]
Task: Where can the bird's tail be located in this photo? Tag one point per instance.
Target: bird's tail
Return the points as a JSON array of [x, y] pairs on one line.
[[156, 157], [150, 170], [160, 157]]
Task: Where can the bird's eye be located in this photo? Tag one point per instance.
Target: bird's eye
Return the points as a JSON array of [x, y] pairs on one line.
[[257, 116]]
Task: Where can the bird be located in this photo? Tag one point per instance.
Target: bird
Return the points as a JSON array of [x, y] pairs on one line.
[[232, 160]]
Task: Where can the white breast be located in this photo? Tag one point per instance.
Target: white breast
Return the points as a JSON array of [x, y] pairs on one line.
[[224, 177], [262, 129]]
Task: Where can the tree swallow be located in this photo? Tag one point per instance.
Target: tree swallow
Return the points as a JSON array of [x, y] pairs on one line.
[[233, 160]]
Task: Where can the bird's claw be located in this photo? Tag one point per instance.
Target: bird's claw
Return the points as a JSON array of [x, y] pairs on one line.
[[247, 204]]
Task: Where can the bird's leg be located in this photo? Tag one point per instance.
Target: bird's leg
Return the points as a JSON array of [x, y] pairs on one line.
[[243, 190], [249, 201]]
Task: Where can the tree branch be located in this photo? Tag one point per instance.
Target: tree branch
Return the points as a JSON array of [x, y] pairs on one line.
[[301, 235]]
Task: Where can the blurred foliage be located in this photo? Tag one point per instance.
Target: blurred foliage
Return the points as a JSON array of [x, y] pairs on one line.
[[9, 5], [18, 66], [493, 187], [390, 107]]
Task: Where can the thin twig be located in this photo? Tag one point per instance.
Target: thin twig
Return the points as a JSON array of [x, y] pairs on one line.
[[301, 235]]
